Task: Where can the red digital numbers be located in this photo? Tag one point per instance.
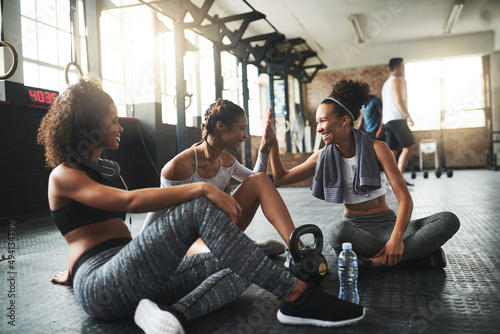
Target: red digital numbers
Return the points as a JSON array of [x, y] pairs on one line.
[[39, 96], [32, 95]]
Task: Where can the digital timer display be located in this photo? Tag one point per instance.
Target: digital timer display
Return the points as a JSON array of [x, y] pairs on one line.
[[40, 96]]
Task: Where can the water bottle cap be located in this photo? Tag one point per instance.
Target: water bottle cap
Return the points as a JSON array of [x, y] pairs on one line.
[[346, 245]]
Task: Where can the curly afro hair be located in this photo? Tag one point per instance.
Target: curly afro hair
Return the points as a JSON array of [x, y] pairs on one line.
[[352, 94], [73, 124]]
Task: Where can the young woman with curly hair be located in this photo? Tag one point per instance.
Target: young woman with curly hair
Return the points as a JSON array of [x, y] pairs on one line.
[[115, 276], [353, 169], [225, 127]]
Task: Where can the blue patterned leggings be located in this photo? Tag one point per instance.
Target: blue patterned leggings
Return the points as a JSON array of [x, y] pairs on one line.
[[110, 284]]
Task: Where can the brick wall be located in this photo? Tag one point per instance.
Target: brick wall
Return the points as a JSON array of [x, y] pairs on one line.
[[321, 86], [463, 148]]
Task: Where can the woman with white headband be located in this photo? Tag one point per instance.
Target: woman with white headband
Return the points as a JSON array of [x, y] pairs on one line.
[[353, 169]]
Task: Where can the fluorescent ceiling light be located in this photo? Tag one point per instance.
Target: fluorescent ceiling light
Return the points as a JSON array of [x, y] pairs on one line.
[[357, 28], [454, 14]]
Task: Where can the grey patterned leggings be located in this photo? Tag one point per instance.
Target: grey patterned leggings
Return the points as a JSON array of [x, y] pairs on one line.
[[369, 234], [110, 284]]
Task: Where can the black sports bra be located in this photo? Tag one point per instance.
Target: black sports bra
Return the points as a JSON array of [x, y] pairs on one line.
[[76, 214]]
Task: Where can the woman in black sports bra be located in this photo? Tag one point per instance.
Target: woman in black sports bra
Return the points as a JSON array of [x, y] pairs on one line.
[[116, 277]]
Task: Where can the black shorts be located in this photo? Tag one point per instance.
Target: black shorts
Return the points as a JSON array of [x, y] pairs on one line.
[[399, 134]]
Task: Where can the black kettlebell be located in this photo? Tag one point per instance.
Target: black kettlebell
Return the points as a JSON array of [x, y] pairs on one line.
[[308, 264]]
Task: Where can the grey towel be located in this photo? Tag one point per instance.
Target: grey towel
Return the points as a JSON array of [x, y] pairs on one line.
[[328, 183]]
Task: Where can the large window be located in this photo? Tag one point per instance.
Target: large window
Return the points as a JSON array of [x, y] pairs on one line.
[[446, 93], [135, 42], [198, 74], [47, 42]]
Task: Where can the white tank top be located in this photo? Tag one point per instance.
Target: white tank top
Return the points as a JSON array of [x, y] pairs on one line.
[[220, 180], [390, 108], [348, 167]]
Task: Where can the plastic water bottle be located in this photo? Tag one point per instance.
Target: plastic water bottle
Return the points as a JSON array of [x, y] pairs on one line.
[[348, 274]]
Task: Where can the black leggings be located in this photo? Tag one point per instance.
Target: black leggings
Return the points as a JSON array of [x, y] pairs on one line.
[[154, 266]]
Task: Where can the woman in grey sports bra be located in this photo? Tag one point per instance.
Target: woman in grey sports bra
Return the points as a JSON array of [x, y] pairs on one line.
[[225, 127]]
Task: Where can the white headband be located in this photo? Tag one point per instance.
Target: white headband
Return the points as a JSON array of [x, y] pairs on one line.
[[340, 104]]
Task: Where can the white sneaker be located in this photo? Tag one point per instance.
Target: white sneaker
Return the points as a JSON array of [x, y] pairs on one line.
[[153, 320]]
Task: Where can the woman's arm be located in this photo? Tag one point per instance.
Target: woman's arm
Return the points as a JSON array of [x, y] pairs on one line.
[[180, 167], [301, 172], [393, 250], [280, 175], [267, 137], [75, 185]]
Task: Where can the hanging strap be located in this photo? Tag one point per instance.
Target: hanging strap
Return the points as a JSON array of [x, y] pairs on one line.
[[72, 10], [1, 28], [86, 36]]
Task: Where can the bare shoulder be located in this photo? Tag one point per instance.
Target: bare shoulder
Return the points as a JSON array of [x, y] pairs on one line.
[[313, 159], [398, 81], [385, 157], [227, 159], [180, 167], [379, 145], [63, 173], [64, 182], [382, 151]]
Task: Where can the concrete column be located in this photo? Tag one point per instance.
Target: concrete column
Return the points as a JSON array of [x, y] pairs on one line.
[[495, 98], [180, 87], [248, 144], [219, 80], [94, 37]]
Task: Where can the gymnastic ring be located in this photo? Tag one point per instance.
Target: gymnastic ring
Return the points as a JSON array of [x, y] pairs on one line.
[[66, 70], [287, 125], [186, 95], [14, 62]]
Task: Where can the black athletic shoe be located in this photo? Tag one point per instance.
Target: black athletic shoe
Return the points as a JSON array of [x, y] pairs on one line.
[[365, 266], [317, 308], [438, 258], [272, 248], [408, 184]]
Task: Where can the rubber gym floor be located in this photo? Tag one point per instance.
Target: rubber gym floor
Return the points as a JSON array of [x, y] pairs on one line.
[[464, 297]]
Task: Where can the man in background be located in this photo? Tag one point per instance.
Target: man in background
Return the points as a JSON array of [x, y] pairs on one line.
[[395, 115], [371, 119]]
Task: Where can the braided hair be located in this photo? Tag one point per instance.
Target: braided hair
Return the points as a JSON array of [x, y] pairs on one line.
[[221, 110]]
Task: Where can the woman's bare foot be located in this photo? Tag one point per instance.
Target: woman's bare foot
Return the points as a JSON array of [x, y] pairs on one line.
[[297, 291], [62, 277]]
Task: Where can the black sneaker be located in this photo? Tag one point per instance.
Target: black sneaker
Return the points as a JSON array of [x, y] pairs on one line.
[[272, 248], [317, 308], [438, 258], [408, 184], [365, 266]]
